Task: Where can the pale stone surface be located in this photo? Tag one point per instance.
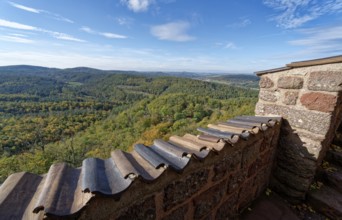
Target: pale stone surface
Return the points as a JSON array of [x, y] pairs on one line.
[[327, 200], [319, 101], [290, 97], [266, 82], [295, 157], [293, 194], [291, 179], [268, 95], [290, 82], [326, 81], [316, 122]]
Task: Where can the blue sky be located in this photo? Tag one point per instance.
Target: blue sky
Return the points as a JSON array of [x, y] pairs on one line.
[[237, 36]]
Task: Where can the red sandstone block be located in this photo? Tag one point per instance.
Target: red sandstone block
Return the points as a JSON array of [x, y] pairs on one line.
[[319, 101], [204, 203]]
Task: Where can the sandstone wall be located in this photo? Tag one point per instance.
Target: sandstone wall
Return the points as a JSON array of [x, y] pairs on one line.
[[218, 187], [309, 100]]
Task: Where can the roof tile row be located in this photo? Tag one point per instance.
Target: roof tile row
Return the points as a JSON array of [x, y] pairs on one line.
[[64, 190]]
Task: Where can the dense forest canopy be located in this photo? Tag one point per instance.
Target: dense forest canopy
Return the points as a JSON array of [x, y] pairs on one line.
[[50, 115]]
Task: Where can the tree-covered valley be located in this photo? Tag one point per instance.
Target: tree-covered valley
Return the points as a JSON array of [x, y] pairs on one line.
[[53, 115]]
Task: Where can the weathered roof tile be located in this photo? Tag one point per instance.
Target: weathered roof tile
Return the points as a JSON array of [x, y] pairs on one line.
[[64, 191]]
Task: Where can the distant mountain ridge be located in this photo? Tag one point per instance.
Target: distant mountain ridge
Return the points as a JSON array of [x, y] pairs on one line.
[[41, 71]]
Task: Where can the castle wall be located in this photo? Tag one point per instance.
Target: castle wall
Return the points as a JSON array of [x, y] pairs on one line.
[[223, 184], [309, 100]]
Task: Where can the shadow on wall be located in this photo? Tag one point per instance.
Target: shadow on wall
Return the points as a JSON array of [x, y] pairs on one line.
[[338, 136], [295, 166]]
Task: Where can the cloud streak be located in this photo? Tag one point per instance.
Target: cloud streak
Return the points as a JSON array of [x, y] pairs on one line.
[[25, 8], [104, 34], [16, 38], [124, 21], [15, 25], [173, 31], [295, 13], [243, 22], [320, 40], [137, 5], [19, 26], [38, 11], [230, 45]]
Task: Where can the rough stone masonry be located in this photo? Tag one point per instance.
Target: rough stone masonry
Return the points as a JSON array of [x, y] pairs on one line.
[[308, 97]]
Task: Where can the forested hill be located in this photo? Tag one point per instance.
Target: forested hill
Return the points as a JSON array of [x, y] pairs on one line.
[[51, 115], [45, 71], [242, 80]]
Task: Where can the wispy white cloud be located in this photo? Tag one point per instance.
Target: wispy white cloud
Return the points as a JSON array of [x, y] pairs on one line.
[[173, 31], [87, 29], [230, 45], [16, 38], [241, 23], [226, 45], [294, 13], [113, 36], [137, 5], [104, 34], [19, 26], [58, 17], [15, 25], [63, 36], [124, 21], [320, 40], [25, 8], [38, 11]]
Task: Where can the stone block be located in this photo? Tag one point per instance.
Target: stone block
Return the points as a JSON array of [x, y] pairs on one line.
[[250, 153], [253, 168], [316, 122], [292, 180], [229, 163], [178, 214], [204, 203], [290, 97], [283, 189], [266, 82], [180, 190], [266, 143], [235, 180], [290, 82], [319, 101], [228, 208], [145, 209], [325, 81], [327, 201], [261, 180], [246, 193], [293, 155], [265, 159], [268, 95]]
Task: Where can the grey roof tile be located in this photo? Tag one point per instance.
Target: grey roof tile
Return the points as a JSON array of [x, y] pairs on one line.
[[213, 143], [103, 176], [64, 191]]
